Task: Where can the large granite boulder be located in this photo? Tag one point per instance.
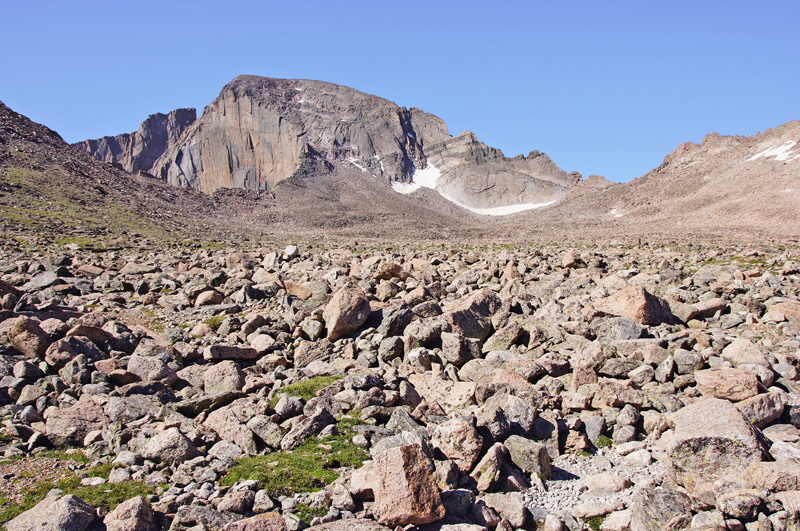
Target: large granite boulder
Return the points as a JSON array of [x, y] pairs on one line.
[[712, 439]]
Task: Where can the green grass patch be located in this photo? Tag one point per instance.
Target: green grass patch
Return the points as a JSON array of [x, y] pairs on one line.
[[66, 455], [595, 522], [215, 321], [307, 513], [604, 442], [306, 389], [106, 496], [308, 468]]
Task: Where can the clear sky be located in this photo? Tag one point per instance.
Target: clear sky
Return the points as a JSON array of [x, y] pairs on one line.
[[602, 87]]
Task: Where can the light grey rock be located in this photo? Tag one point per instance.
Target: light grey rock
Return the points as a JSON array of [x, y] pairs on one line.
[[55, 513], [169, 446]]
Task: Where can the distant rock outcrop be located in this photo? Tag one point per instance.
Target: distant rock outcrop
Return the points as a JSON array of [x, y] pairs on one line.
[[138, 151], [261, 131]]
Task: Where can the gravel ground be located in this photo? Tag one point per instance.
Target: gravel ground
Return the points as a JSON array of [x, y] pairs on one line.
[[564, 490]]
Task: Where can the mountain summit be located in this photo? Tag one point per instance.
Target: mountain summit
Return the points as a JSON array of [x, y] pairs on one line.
[[260, 131]]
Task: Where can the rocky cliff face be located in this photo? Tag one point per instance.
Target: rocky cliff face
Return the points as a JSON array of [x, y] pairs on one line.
[[261, 131], [138, 151]]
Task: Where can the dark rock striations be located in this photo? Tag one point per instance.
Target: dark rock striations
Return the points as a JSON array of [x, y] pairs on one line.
[[261, 131]]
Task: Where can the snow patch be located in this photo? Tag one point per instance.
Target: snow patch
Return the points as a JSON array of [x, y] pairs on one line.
[[615, 213], [787, 190], [428, 177], [405, 188], [497, 211], [781, 153], [354, 162]]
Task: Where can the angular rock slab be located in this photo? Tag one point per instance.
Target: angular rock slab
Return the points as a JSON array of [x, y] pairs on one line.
[[134, 514], [449, 395], [712, 439], [406, 492], [55, 513], [346, 311], [654, 509], [260, 522], [70, 425], [459, 441], [728, 384], [636, 303]]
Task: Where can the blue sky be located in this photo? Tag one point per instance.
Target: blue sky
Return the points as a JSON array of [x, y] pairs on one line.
[[602, 87]]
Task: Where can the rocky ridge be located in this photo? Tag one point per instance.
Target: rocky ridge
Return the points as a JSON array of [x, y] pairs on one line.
[[727, 184], [501, 389], [138, 151]]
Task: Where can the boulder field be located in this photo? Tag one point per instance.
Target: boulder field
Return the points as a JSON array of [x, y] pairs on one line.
[[618, 388]]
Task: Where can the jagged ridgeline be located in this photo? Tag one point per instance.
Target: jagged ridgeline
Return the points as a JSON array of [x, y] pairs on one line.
[[261, 131]]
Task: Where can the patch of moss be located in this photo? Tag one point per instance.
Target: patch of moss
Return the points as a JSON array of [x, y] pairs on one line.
[[594, 522], [604, 442], [307, 513], [214, 321], [308, 468]]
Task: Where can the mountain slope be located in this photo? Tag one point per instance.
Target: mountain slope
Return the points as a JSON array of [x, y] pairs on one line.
[[727, 185], [51, 190]]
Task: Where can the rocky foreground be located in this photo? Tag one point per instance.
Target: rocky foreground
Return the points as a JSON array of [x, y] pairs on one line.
[[346, 388]]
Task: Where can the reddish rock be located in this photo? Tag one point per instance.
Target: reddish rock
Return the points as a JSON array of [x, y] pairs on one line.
[[458, 440], [70, 425], [208, 298], [729, 384], [297, 290], [469, 316], [88, 270], [95, 334], [28, 337], [406, 492], [636, 303]]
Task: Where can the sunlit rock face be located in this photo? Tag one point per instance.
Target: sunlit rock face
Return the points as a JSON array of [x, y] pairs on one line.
[[260, 131]]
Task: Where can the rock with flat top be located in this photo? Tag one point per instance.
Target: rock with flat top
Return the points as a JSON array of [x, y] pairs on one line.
[[712, 439], [636, 303], [262, 522], [653, 509], [728, 384], [55, 513]]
